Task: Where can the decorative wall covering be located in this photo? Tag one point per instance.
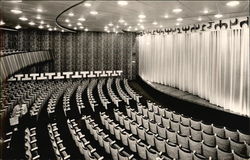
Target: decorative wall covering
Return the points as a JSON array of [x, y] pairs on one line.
[[64, 75], [84, 51]]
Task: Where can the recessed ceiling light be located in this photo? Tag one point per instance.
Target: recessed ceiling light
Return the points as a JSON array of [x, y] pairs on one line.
[[93, 12], [111, 24], [125, 24], [106, 27], [87, 4], [142, 16], [2, 23], [199, 19], [62, 30], [129, 27], [16, 11], [40, 27], [79, 23], [108, 31], [142, 27], [233, 3], [177, 10], [161, 26], [38, 17], [154, 23], [122, 3], [39, 10], [81, 27], [86, 29], [18, 27], [166, 16], [138, 24], [81, 19], [71, 14], [16, 1], [75, 28], [48, 26], [205, 11], [141, 20], [32, 23], [177, 24], [55, 28], [42, 22], [218, 15], [50, 29], [69, 25], [23, 18], [121, 20], [179, 19], [136, 29], [117, 26], [67, 20]]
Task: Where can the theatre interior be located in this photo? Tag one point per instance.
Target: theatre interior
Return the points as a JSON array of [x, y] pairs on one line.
[[124, 80]]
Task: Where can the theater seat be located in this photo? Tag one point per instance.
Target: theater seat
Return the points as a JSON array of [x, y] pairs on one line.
[[208, 139], [244, 137], [238, 147], [223, 143], [172, 150], [234, 135], [185, 154], [209, 151], [198, 156], [141, 148], [151, 153], [195, 145], [224, 155], [182, 140]]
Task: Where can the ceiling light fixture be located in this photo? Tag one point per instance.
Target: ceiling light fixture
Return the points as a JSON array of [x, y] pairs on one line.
[[38, 17], [177, 24], [67, 20], [48, 26], [81, 27], [79, 23], [42, 22], [141, 20], [205, 11], [39, 10], [122, 3], [111, 24], [18, 27], [93, 12], [75, 28], [86, 29], [166, 16], [32, 23], [23, 18], [16, 11], [121, 20], [218, 15], [233, 3], [177, 10], [50, 29], [71, 14], [154, 23], [2, 23], [142, 27], [55, 28], [40, 27], [62, 30], [16, 1], [179, 19], [125, 24], [81, 19], [161, 26], [199, 19], [87, 5], [142, 16], [69, 25], [136, 29]]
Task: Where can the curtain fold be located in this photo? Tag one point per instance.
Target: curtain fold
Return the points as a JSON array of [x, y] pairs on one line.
[[212, 64]]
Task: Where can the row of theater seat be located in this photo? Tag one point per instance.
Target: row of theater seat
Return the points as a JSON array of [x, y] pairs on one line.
[[31, 148], [6, 52]]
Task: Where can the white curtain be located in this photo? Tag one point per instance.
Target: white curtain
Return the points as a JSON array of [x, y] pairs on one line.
[[212, 64]]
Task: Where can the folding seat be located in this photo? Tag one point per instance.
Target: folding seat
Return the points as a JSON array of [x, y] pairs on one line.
[[132, 143], [248, 149], [161, 130], [141, 149], [234, 135], [158, 118], [150, 138], [224, 155], [133, 127], [244, 137], [145, 122], [239, 157], [182, 140], [156, 108], [151, 114], [223, 143], [172, 150], [111, 127], [239, 148], [185, 154], [218, 130], [65, 155], [141, 132], [150, 104], [184, 130], [171, 135], [208, 139], [126, 123], [176, 117], [117, 131], [195, 134], [198, 156], [207, 128], [114, 151], [209, 151], [121, 119], [139, 118], [124, 137], [160, 143], [153, 126], [106, 144], [122, 156], [185, 120], [116, 111], [151, 153], [133, 114], [145, 111], [128, 110], [161, 111], [166, 122], [168, 113], [139, 107], [196, 124], [100, 136], [195, 145], [174, 125]]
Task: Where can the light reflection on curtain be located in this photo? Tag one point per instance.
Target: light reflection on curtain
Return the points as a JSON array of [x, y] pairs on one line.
[[212, 64]]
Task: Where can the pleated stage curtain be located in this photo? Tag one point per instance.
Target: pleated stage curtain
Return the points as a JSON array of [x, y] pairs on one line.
[[211, 64]]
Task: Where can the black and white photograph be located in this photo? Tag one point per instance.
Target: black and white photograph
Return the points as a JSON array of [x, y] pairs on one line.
[[124, 80]]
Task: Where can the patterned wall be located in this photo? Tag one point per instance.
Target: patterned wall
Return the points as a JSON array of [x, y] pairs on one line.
[[82, 51]]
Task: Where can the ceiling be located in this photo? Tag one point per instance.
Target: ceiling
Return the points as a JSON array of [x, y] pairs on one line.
[[112, 12]]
